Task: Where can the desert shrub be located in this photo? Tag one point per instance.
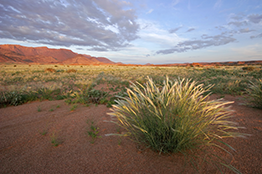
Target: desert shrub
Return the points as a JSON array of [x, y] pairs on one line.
[[97, 96], [248, 68], [255, 93], [71, 70], [11, 98], [89, 95], [15, 98], [50, 70], [48, 93], [175, 117]]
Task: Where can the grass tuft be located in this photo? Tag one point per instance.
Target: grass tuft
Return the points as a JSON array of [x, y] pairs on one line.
[[175, 116], [93, 132], [255, 94]]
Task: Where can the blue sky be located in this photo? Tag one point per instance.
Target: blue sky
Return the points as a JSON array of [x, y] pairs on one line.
[[138, 31]]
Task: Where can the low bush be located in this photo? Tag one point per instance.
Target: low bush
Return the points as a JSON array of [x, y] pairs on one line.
[[248, 68], [255, 94], [175, 117], [15, 98], [97, 96], [50, 70], [11, 98], [71, 71]]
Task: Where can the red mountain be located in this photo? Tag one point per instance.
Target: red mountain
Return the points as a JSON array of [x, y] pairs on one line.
[[105, 60], [82, 60], [44, 55]]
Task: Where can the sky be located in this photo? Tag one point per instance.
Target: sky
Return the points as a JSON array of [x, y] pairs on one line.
[[138, 31]]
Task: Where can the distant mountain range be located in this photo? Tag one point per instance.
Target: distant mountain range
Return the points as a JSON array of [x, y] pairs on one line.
[[44, 55]]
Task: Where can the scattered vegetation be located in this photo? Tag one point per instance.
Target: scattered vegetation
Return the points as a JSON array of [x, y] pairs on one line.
[[248, 68], [255, 93], [54, 140], [71, 71], [39, 109], [168, 115], [174, 116], [73, 107], [24, 84], [93, 132], [44, 132], [50, 70]]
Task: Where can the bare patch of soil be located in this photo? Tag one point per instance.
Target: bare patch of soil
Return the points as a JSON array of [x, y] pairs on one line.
[[26, 133]]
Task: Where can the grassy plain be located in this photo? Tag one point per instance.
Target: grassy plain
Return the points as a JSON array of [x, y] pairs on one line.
[[23, 83], [179, 125]]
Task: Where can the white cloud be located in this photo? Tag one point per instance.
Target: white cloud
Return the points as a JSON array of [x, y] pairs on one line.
[[152, 32], [97, 24], [256, 36], [218, 4], [204, 42], [175, 2], [175, 29], [150, 11], [190, 29]]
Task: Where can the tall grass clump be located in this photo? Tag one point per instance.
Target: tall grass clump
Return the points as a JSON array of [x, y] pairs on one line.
[[175, 117], [255, 93]]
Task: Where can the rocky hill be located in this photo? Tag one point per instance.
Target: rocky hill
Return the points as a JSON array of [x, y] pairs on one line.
[[44, 55]]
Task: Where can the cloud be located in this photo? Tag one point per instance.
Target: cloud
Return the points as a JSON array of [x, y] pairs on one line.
[[218, 4], [97, 24], [207, 41], [175, 2], [241, 20], [150, 11], [235, 26], [238, 23], [174, 30], [245, 30], [256, 36], [153, 33], [190, 29], [255, 18], [237, 20], [220, 27]]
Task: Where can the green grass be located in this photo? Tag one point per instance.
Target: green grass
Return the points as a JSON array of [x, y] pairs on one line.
[[255, 94], [44, 132], [73, 108], [54, 140], [23, 84], [39, 109], [175, 116], [93, 132]]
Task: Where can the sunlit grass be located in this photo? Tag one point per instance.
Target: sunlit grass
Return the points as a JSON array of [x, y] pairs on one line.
[[176, 116], [255, 93], [30, 79]]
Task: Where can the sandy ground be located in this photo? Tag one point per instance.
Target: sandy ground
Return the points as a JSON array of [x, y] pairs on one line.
[[24, 148]]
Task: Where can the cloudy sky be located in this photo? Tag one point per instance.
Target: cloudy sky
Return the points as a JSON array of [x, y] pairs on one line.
[[138, 31]]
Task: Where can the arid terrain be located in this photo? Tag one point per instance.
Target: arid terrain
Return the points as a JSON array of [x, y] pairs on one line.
[[27, 132], [61, 123], [43, 55]]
